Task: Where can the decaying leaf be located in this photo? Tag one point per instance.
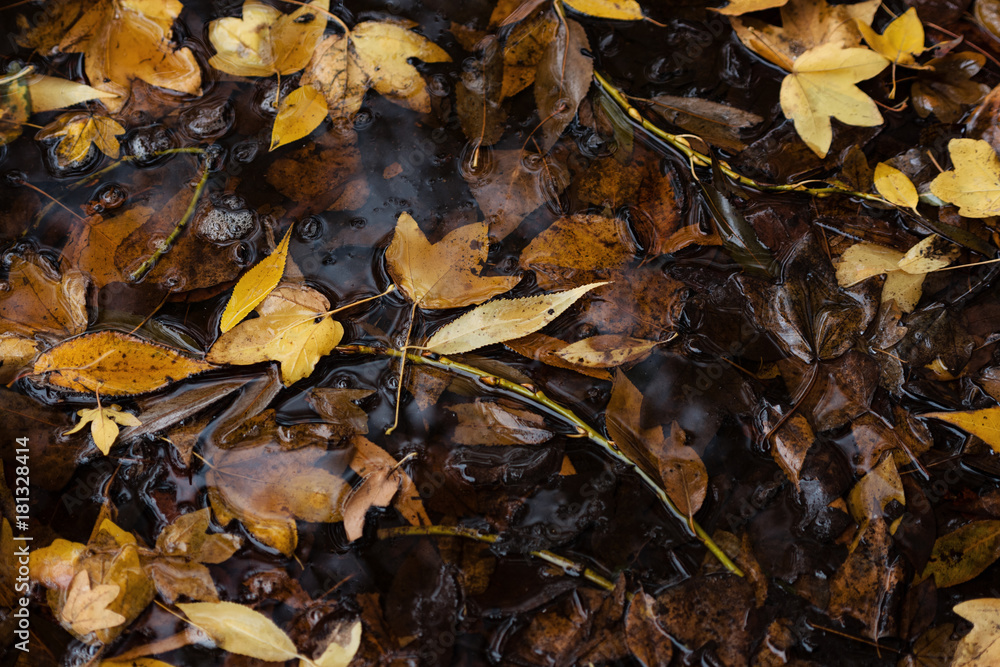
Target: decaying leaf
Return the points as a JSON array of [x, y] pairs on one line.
[[607, 351], [497, 423], [344, 641], [86, 608], [980, 647], [336, 406], [77, 131], [974, 183], [255, 285], [790, 446], [647, 641], [576, 250], [241, 630], [369, 458], [946, 89], [104, 425], [40, 301], [377, 489], [501, 320], [879, 487], [964, 553], [563, 79], [718, 124], [615, 10], [983, 423]]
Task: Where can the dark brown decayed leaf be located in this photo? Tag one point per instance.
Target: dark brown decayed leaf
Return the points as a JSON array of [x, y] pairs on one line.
[[562, 81], [577, 250], [338, 409], [718, 124], [647, 641], [947, 89], [498, 423]]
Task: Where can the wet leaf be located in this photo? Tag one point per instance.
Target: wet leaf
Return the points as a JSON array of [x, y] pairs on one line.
[[984, 423], [241, 630], [15, 106], [369, 458], [86, 608], [344, 642], [501, 320], [187, 536], [41, 301], [725, 599], [334, 70], [255, 285], [870, 496], [647, 641], [124, 40], [682, 471], [50, 92], [718, 124], [865, 260], [822, 85], [738, 7], [498, 423], [980, 647], [894, 185], [76, 132], [607, 351], [577, 250], [377, 489], [974, 183], [900, 41], [562, 80], [336, 406], [264, 41], [790, 446], [543, 348], [299, 114], [737, 235], [524, 48], [963, 554], [104, 425], [115, 364], [614, 10], [946, 88], [932, 253], [446, 274], [15, 353], [478, 97]]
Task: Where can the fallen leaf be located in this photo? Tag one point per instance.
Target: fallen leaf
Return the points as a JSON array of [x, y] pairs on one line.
[[124, 40], [821, 86], [900, 41], [790, 446], [647, 641], [336, 406], [543, 348], [716, 123], [945, 87], [50, 92], [865, 260], [684, 476], [501, 320], [936, 648], [963, 554], [932, 253], [446, 274], [323, 175], [334, 70], [523, 49], [577, 250], [879, 487], [805, 25], [562, 80], [115, 364], [726, 599], [188, 537], [15, 106], [984, 423], [974, 183], [498, 423], [240, 630], [607, 351], [86, 608], [737, 7], [15, 353], [265, 41], [255, 285], [980, 647], [344, 641], [894, 185], [643, 302], [40, 301], [613, 10], [376, 489], [478, 97], [369, 458], [299, 114], [104, 425]]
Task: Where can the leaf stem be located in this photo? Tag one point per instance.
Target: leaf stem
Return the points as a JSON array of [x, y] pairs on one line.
[[565, 564], [531, 395]]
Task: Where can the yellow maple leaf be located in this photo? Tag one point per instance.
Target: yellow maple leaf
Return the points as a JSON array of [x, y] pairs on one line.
[[902, 40], [86, 609], [980, 647], [265, 41], [124, 40], [104, 424], [821, 86], [76, 133], [299, 113], [974, 183]]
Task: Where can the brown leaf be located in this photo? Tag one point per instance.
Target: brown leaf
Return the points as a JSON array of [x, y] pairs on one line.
[[479, 94], [790, 445], [369, 458], [543, 348], [322, 176], [41, 301], [377, 489], [642, 302], [647, 641], [682, 471], [946, 89], [607, 182], [718, 124], [577, 250], [562, 80], [525, 46], [607, 351], [726, 599], [498, 423], [336, 406], [178, 577], [188, 536]]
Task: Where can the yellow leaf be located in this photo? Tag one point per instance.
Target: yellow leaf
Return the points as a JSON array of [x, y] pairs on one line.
[[15, 105], [264, 41], [384, 49], [902, 40], [135, 662], [503, 319], [895, 186], [86, 609], [299, 113], [980, 647], [984, 424], [344, 643], [929, 254], [821, 86], [615, 10], [607, 351], [445, 274], [335, 71], [865, 260], [50, 92], [255, 285], [974, 183], [737, 7], [77, 131], [241, 630], [104, 424], [879, 487], [124, 40], [115, 364], [286, 332]]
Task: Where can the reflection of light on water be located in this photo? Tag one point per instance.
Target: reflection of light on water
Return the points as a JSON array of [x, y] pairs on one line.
[[476, 161]]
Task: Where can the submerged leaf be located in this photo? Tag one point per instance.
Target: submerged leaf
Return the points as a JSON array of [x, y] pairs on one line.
[[562, 80], [615, 10], [963, 554], [984, 424]]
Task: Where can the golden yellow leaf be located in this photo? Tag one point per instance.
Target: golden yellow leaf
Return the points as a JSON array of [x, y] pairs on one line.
[[50, 92], [873, 493], [737, 7], [805, 24], [77, 131], [241, 630], [383, 51], [607, 351], [344, 641], [984, 424], [821, 86], [124, 40], [335, 71], [979, 648], [974, 183], [931, 253], [503, 319], [135, 662], [86, 609], [286, 332], [104, 424], [865, 260], [445, 274], [902, 40], [615, 10], [15, 352], [895, 186], [264, 41], [38, 302], [15, 105], [299, 113], [255, 285], [115, 364]]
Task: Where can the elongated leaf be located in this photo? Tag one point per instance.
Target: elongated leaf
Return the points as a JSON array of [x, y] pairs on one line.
[[616, 10], [241, 630], [983, 423], [255, 285], [607, 351], [738, 237], [963, 554], [895, 186], [503, 319], [299, 113]]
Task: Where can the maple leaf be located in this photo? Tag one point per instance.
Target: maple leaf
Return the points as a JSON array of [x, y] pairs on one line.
[[901, 41], [286, 332], [979, 648], [124, 40], [974, 183], [446, 274], [76, 132], [821, 86], [264, 41], [805, 24], [104, 424], [86, 608]]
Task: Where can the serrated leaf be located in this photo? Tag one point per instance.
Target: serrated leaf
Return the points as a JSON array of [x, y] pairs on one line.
[[255, 285], [299, 113], [241, 630], [503, 319], [615, 10], [963, 554], [895, 186], [974, 183]]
